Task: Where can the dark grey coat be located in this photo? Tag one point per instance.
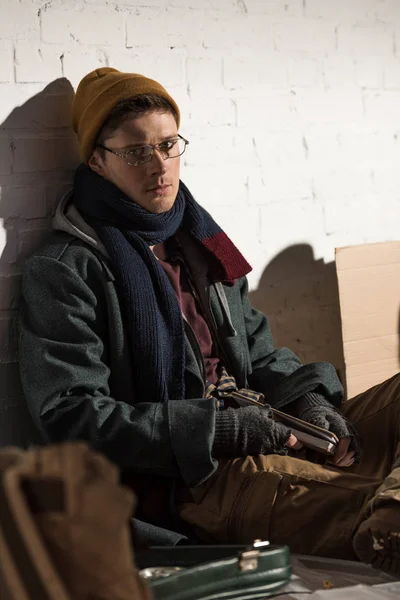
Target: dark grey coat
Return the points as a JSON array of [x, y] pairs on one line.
[[75, 361]]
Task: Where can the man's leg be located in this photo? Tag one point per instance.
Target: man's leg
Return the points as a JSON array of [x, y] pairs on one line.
[[377, 540], [314, 509], [376, 414]]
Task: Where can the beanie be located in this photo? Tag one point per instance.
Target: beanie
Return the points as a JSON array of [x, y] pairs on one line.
[[97, 95]]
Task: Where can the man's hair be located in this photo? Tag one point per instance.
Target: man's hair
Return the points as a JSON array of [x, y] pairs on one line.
[[130, 109]]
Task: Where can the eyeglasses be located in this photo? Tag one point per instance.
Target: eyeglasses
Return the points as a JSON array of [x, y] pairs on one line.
[[143, 154]]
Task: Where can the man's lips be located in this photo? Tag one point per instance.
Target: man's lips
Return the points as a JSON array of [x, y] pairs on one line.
[[159, 188]]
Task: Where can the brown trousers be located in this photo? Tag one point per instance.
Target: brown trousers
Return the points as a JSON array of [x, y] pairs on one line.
[[314, 509]]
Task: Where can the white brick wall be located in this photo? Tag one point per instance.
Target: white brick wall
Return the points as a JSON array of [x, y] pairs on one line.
[[292, 110]]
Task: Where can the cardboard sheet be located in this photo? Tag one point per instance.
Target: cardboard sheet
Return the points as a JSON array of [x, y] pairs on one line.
[[369, 293]]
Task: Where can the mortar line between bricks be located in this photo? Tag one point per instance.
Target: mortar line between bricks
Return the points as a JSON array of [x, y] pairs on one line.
[[15, 63]]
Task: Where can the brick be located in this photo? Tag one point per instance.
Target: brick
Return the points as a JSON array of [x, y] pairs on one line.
[[337, 147], [32, 155], [215, 5], [391, 73], [339, 71], [342, 213], [30, 241], [8, 243], [235, 146], [231, 221], [361, 40], [275, 8], [7, 61], [190, 4], [13, 99], [218, 111], [274, 110], [204, 74], [10, 289], [8, 339], [85, 25], [56, 191], [5, 156], [287, 223], [278, 184], [241, 71], [142, 25], [275, 150], [183, 100], [343, 181], [369, 72], [48, 154], [27, 202], [78, 62], [370, 146], [324, 145], [167, 67], [36, 63], [387, 11], [43, 223], [300, 35], [381, 107], [19, 21], [340, 10], [218, 4], [44, 110], [386, 181], [304, 71], [330, 107], [141, 3], [202, 28], [235, 31], [228, 189]]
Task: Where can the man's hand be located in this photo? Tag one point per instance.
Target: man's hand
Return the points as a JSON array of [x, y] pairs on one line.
[[293, 443], [248, 431], [344, 457], [314, 409]]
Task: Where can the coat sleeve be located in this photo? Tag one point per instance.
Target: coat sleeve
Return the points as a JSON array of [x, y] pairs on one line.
[[65, 377], [278, 372]]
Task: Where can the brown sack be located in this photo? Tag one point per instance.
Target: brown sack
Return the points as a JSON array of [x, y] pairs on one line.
[[64, 527]]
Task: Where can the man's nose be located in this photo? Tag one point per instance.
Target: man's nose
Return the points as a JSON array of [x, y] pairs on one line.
[[157, 162]]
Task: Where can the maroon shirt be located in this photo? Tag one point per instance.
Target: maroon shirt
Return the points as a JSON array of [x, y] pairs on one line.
[[177, 273]]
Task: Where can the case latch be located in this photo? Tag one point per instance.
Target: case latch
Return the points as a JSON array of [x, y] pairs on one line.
[[248, 559]]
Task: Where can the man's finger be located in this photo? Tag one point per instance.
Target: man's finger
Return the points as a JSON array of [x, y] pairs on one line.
[[347, 461], [294, 443], [341, 450]]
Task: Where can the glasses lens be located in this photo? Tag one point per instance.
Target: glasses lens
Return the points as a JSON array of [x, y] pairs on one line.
[[180, 146], [168, 149], [171, 148], [138, 156]]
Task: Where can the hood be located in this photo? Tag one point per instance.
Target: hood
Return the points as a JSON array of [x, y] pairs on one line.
[[67, 218]]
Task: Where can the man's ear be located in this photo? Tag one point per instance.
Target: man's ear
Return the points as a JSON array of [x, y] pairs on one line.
[[95, 162]]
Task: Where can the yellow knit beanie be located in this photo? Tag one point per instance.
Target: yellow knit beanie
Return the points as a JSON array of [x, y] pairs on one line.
[[97, 95]]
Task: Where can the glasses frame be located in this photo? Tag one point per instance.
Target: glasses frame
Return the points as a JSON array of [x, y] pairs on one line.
[[153, 147]]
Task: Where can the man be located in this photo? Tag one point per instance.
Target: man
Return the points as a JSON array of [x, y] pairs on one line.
[[135, 329]]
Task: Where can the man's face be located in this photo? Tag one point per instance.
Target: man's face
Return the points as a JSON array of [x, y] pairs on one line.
[[153, 185]]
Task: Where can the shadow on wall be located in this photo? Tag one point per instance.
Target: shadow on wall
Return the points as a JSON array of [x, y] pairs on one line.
[[301, 299], [38, 154]]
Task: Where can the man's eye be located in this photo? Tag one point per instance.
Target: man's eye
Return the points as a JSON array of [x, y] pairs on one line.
[[167, 145], [139, 152], [135, 152]]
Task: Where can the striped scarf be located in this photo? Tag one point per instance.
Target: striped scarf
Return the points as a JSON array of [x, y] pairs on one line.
[[151, 309]]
